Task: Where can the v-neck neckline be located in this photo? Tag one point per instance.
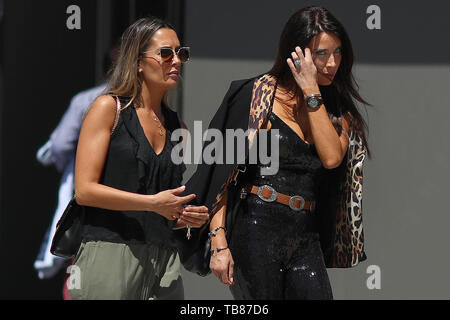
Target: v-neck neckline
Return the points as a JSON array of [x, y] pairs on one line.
[[145, 137], [285, 124]]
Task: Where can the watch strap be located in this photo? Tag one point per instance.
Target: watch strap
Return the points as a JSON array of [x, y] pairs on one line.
[[314, 95]]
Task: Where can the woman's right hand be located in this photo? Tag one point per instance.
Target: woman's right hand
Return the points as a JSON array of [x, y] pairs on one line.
[[222, 265], [168, 204]]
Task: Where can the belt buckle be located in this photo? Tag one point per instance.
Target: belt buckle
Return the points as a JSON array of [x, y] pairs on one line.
[[291, 203], [272, 198]]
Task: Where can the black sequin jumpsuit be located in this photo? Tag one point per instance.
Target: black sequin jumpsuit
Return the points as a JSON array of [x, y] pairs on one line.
[[276, 250]]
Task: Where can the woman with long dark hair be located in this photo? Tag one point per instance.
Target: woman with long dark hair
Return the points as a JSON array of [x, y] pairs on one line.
[[125, 178], [274, 237]]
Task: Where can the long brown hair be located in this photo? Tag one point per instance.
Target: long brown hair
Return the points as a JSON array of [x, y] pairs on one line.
[[300, 29], [125, 80]]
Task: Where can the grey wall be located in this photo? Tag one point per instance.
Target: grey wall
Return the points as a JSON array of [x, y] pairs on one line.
[[403, 71]]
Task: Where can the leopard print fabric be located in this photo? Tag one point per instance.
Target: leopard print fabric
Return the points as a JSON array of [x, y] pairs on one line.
[[260, 107], [349, 238]]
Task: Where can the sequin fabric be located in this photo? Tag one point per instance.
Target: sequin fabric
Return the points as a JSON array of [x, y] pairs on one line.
[[276, 250]]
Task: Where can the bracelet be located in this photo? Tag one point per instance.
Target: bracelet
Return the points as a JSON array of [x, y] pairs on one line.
[[188, 233], [218, 249], [214, 231]]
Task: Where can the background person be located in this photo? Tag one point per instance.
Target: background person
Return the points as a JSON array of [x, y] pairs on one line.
[[60, 151]]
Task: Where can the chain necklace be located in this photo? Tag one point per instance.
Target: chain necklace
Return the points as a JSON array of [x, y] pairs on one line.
[[158, 123]]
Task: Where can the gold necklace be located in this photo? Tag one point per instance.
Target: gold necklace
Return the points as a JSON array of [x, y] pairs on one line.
[[158, 123]]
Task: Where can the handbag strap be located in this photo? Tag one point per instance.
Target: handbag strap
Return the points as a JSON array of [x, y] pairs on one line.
[[118, 109]]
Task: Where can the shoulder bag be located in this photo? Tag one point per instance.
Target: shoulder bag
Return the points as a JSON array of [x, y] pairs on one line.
[[68, 235]]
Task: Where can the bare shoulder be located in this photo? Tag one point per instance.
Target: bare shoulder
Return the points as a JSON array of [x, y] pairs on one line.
[[103, 110], [104, 104]]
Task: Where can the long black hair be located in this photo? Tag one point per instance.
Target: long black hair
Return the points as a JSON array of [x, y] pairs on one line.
[[339, 97]]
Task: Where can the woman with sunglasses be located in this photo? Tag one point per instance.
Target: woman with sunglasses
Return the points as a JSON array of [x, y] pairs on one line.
[[274, 234], [126, 180]]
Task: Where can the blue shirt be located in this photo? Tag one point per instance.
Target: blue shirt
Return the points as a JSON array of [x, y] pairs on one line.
[[64, 139]]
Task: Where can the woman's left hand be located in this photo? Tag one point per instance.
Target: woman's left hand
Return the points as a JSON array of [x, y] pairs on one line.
[[306, 73], [194, 216]]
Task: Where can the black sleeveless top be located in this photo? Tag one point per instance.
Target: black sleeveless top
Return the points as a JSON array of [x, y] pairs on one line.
[[132, 165], [300, 169]]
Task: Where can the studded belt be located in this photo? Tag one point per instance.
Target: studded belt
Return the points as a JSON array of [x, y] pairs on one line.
[[269, 194]]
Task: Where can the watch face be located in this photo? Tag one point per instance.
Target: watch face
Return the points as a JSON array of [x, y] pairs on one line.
[[313, 102]]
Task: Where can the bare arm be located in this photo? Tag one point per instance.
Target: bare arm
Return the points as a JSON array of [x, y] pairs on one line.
[[330, 147], [219, 220], [222, 263], [90, 159]]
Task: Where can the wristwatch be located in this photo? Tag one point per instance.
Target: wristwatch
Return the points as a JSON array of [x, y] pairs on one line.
[[314, 101]]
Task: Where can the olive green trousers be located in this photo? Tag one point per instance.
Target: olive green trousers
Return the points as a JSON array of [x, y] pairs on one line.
[[125, 271]]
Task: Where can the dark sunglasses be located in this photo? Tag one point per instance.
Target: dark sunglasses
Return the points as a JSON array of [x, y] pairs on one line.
[[167, 54]]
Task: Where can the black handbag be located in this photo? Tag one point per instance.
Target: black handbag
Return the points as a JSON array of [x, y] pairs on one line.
[[195, 253], [68, 234]]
